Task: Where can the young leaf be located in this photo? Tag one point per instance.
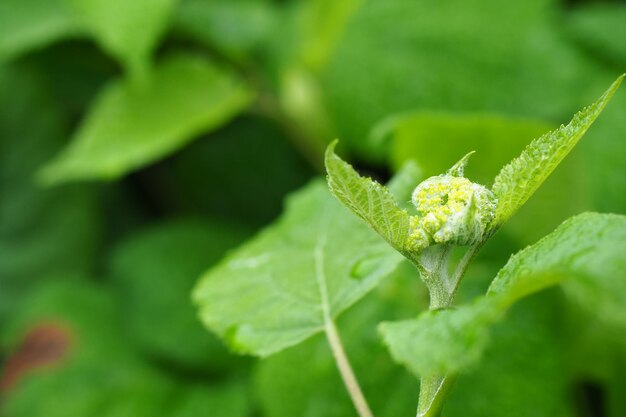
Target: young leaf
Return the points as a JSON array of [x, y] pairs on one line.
[[588, 246], [518, 180], [369, 200], [286, 284], [131, 126]]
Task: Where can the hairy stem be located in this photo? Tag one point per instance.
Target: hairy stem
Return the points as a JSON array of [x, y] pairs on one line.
[[347, 374], [432, 393], [434, 388]]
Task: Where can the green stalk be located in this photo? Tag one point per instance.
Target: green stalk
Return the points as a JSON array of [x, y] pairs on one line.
[[442, 289]]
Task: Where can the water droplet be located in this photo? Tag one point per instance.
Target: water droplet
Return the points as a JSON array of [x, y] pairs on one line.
[[365, 266]]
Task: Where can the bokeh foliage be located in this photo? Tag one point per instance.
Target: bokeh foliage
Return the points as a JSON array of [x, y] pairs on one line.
[[141, 141]]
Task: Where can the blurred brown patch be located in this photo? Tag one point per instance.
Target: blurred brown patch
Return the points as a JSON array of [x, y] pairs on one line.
[[43, 345]]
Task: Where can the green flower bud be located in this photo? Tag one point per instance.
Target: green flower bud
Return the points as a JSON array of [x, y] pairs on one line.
[[450, 209]]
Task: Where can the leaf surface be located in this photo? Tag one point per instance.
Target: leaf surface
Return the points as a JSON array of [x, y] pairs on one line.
[[368, 199], [287, 283], [130, 126], [309, 373]]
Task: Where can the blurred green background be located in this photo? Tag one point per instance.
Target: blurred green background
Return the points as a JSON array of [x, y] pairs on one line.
[[141, 140]]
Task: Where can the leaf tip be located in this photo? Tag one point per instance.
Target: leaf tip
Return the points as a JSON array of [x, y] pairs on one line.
[[612, 89], [330, 156], [458, 169], [330, 149]]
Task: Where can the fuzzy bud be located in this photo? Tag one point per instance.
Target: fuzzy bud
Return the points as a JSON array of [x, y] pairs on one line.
[[450, 210]]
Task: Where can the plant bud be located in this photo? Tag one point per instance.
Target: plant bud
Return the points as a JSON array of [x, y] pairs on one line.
[[451, 209]]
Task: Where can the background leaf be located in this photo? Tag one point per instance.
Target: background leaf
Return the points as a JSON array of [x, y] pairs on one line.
[[236, 28], [469, 73], [30, 24], [127, 30], [130, 126], [598, 27], [44, 234], [155, 272], [457, 56], [100, 373]]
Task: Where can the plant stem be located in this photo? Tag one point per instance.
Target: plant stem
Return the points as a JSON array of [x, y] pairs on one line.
[[347, 374], [434, 388]]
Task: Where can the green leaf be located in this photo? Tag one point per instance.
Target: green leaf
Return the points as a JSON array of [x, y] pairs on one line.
[[30, 24], [286, 284], [309, 373], [369, 200], [128, 30], [518, 180], [588, 247], [131, 126]]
